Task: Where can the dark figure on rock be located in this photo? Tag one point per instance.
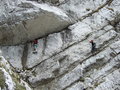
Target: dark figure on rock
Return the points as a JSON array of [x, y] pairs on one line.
[[35, 45], [93, 46]]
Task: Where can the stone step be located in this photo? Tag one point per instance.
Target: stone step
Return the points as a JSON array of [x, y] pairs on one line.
[[102, 58], [77, 53], [113, 58], [95, 63], [112, 65], [96, 76], [64, 65], [68, 79], [43, 73], [112, 81], [55, 43]]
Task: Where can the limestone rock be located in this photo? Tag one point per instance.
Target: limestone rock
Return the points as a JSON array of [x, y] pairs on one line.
[[45, 20], [10, 80], [64, 60]]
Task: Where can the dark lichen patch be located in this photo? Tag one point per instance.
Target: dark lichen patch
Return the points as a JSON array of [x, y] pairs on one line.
[[2, 79], [98, 83], [0, 58], [82, 79]]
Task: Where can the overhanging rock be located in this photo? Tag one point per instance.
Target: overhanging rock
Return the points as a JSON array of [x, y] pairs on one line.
[[45, 22]]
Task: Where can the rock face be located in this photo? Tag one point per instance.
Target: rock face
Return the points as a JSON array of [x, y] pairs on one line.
[[64, 60], [46, 20], [9, 80]]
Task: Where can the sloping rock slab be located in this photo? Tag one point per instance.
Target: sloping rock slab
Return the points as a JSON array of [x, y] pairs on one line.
[[49, 19]]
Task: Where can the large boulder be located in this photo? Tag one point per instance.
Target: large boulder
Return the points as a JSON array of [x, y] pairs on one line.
[[46, 20]]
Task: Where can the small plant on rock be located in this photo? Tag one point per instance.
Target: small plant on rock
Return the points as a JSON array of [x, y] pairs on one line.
[[2, 79]]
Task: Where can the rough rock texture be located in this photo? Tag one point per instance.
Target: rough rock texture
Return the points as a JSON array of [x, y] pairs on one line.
[[33, 21], [64, 60], [9, 80]]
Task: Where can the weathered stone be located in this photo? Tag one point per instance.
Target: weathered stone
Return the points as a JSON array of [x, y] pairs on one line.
[[44, 75], [31, 29], [13, 54], [116, 47], [33, 24], [63, 60]]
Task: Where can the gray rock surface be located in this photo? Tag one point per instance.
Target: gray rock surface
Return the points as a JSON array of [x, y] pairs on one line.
[[9, 79], [39, 20], [64, 60]]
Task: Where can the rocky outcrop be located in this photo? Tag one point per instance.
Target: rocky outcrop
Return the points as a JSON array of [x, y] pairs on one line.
[[64, 60], [65, 67], [45, 21], [10, 80], [69, 64]]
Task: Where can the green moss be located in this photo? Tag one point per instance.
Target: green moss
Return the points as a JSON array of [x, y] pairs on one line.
[[15, 78], [18, 86], [0, 58], [87, 9], [82, 79], [98, 83], [2, 79]]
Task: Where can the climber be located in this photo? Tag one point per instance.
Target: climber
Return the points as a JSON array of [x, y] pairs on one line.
[[35, 45], [93, 46]]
